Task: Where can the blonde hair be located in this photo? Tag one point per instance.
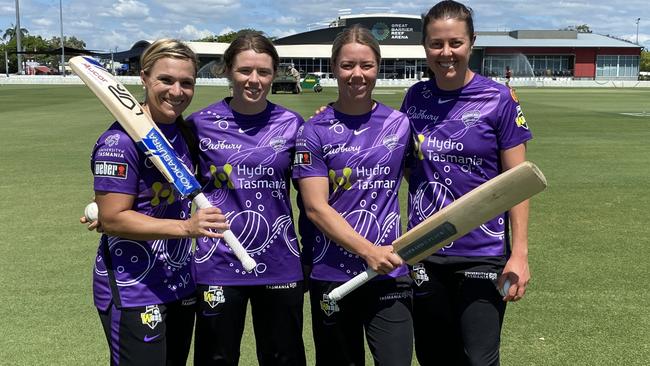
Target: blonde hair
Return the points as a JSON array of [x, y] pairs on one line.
[[355, 34], [164, 48]]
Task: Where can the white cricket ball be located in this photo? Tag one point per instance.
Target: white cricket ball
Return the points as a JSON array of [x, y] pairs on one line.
[[91, 212], [504, 290]]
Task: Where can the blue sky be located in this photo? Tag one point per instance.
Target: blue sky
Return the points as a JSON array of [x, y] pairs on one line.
[[107, 24]]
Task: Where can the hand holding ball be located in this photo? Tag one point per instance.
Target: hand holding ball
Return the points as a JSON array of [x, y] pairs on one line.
[[504, 290], [91, 212]]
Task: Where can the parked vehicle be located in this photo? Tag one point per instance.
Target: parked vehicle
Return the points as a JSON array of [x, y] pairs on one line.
[[311, 82], [285, 80]]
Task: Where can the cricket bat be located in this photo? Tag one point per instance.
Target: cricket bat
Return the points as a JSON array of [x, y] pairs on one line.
[[141, 128], [459, 218]]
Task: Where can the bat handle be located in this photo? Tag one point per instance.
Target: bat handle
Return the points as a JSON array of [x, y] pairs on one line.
[[240, 252], [351, 285]]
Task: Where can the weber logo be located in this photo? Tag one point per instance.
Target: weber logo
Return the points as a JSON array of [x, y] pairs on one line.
[[302, 158], [110, 169]]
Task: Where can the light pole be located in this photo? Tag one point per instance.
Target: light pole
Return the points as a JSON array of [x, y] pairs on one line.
[[6, 62], [19, 48], [62, 44], [637, 30]]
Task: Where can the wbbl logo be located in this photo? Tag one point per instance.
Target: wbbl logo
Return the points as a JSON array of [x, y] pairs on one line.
[[328, 306], [419, 274], [151, 317], [214, 296]]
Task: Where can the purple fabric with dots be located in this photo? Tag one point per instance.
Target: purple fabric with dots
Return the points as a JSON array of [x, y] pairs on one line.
[[362, 157], [134, 272], [459, 135], [245, 164]]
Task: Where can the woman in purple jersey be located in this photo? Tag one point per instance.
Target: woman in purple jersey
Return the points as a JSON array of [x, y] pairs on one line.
[[245, 147], [143, 287], [467, 129], [348, 166]]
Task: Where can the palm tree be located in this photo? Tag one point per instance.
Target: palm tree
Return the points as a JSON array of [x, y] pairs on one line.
[[10, 33]]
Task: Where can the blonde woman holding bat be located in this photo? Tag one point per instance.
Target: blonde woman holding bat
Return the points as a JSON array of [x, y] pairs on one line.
[[467, 129], [245, 150], [348, 167], [143, 286]]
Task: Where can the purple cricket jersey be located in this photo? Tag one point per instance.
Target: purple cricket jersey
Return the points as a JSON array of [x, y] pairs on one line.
[[458, 138], [136, 272], [363, 158], [246, 162]]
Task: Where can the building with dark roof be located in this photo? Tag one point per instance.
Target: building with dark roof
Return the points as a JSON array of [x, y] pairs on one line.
[[528, 53]]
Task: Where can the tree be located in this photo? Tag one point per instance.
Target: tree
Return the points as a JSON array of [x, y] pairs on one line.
[[581, 28], [10, 33], [36, 45], [645, 61], [72, 41], [228, 37]]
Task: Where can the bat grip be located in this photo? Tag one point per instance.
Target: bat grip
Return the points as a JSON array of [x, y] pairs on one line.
[[240, 252], [351, 285]]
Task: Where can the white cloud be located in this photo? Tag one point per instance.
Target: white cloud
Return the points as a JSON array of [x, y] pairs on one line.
[[284, 20], [281, 32], [129, 8], [199, 7], [225, 31], [42, 22], [81, 24], [190, 32]]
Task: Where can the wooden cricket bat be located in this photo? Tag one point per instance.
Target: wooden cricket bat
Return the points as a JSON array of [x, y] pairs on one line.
[[141, 128], [459, 218]]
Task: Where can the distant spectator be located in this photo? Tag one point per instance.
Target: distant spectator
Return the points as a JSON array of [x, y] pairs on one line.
[[508, 76], [296, 74]]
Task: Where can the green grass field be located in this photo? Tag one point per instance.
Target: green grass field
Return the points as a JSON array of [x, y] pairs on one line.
[[588, 302]]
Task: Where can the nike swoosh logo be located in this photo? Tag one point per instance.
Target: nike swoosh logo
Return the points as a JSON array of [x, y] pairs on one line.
[[246, 130], [174, 139], [149, 339], [359, 132], [443, 101]]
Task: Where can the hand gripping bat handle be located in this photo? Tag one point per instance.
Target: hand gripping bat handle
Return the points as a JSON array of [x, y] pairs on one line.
[[240, 252], [351, 285]]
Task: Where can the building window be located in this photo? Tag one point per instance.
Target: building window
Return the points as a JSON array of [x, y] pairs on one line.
[[617, 66], [528, 65]]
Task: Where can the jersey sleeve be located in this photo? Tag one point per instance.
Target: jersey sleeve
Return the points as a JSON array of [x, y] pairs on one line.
[[115, 163], [512, 129], [406, 101], [309, 160]]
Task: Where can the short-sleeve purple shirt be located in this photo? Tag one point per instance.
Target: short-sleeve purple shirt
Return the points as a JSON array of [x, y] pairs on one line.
[[245, 162], [458, 138], [136, 272], [362, 156]]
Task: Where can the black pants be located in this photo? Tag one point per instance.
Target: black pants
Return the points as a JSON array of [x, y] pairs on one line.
[[458, 313], [277, 323], [150, 335], [380, 308]]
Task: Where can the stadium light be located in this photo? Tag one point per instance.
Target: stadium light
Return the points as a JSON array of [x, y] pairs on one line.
[[637, 30], [19, 48], [62, 44]]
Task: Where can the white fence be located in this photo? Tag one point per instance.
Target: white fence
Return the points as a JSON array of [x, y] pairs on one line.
[[515, 82]]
